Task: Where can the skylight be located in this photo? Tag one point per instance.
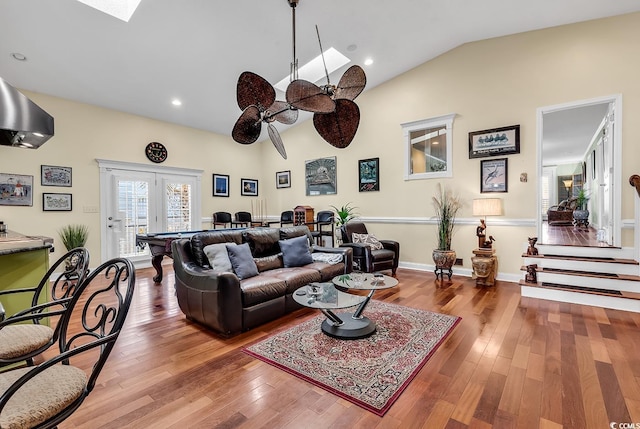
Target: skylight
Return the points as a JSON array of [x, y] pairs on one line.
[[313, 71], [121, 9]]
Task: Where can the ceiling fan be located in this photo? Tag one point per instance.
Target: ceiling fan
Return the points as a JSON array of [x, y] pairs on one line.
[[336, 116]]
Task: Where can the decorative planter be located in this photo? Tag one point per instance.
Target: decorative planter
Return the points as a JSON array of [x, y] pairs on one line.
[[581, 218], [444, 260]]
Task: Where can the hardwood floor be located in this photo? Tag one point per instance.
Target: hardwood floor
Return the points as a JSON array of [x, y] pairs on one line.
[[569, 235], [512, 362]]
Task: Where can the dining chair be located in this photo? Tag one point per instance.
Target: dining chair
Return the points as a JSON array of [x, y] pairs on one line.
[[324, 226], [221, 218], [244, 219], [286, 218], [31, 331], [45, 395]]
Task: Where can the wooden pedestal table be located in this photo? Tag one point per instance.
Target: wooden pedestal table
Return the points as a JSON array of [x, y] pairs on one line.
[[485, 267]]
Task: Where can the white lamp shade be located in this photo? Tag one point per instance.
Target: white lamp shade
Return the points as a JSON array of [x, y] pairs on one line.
[[487, 207]]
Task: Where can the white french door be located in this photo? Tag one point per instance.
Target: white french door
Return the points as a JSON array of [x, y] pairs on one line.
[[139, 199]]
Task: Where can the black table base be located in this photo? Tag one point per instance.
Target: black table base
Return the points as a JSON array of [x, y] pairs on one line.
[[345, 327]]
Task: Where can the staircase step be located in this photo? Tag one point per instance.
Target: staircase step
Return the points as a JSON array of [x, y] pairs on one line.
[[584, 290], [592, 274], [583, 258]]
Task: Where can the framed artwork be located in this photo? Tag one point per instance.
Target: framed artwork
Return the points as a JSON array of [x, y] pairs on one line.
[[283, 179], [494, 142], [321, 176], [53, 175], [220, 185], [56, 202], [369, 174], [16, 190], [249, 187], [493, 175]]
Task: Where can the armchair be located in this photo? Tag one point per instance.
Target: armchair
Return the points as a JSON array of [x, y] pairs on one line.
[[562, 214], [365, 257]]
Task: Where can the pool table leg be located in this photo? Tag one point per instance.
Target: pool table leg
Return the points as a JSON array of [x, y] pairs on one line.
[[156, 261]]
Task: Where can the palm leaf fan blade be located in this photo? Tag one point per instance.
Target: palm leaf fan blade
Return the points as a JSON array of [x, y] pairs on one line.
[[254, 90], [339, 128], [282, 113], [351, 83], [247, 128], [276, 140], [304, 95]]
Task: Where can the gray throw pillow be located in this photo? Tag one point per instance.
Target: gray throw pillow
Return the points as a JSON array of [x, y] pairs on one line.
[[218, 257], [242, 261], [295, 251]]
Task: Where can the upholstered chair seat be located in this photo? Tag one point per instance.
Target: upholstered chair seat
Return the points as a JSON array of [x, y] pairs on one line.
[[20, 340]]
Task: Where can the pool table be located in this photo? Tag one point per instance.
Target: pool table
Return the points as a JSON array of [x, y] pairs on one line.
[[160, 246]]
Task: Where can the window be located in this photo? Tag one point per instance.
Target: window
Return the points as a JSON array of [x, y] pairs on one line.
[[428, 148]]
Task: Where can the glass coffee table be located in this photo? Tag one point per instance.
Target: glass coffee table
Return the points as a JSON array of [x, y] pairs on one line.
[[325, 297], [364, 281]]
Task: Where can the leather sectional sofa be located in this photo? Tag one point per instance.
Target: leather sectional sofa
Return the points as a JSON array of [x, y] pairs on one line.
[[226, 304]]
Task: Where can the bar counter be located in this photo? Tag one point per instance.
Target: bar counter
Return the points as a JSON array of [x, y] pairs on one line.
[[24, 260]]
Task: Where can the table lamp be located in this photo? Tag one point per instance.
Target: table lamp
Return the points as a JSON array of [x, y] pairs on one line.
[[486, 207], [567, 185]]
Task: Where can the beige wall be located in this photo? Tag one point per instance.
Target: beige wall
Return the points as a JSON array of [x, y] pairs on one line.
[[488, 84]]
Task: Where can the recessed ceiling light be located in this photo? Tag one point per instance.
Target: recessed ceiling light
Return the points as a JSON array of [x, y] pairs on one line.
[[176, 102], [18, 56], [313, 71], [368, 62], [121, 9]]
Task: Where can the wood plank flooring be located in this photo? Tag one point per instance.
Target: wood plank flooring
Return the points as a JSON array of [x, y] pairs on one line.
[[569, 235], [512, 362]]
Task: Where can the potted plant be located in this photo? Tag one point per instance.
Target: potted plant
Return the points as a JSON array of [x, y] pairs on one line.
[[446, 205], [73, 236], [344, 215], [581, 213]]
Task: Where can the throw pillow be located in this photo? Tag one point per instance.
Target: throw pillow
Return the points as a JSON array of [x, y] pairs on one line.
[[218, 257], [367, 239], [242, 261], [295, 252]]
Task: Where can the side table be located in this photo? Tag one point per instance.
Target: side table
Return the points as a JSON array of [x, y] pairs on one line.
[[485, 266]]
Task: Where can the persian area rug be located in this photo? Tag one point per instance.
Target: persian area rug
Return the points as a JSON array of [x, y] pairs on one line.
[[370, 372]]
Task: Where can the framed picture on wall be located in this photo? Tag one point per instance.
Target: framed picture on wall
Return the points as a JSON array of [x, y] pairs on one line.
[[283, 179], [369, 174], [16, 190], [494, 142], [220, 185], [56, 202], [249, 187], [321, 176], [53, 175], [493, 175]]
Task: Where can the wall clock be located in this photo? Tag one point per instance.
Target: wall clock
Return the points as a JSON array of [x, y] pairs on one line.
[[156, 152]]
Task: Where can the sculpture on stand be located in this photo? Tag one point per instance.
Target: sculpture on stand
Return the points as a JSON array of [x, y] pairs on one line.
[[532, 275], [634, 180], [531, 250], [480, 232]]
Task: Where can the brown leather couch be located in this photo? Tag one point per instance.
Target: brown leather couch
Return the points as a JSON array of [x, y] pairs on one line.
[[228, 305]]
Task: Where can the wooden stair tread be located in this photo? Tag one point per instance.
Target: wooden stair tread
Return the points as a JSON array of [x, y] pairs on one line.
[[583, 259], [586, 274], [578, 289]]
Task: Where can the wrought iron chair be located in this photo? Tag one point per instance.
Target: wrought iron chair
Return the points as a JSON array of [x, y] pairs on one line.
[[324, 226], [89, 330], [20, 341], [221, 218], [244, 219]]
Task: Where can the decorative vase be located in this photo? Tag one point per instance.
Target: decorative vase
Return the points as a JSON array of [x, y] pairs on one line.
[[581, 218], [444, 260]]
